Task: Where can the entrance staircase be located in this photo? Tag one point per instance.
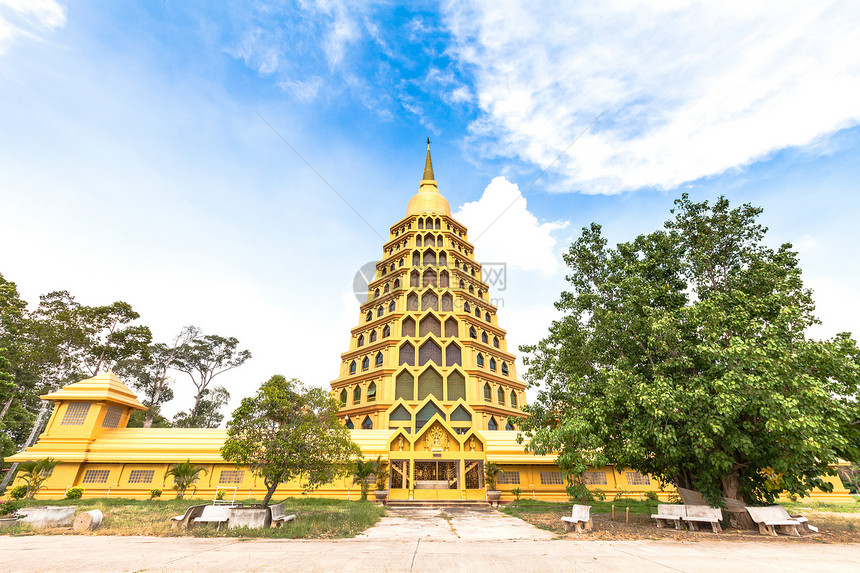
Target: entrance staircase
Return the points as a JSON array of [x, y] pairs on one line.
[[438, 503]]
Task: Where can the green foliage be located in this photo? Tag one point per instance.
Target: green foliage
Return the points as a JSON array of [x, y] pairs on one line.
[[288, 431], [34, 474], [18, 492], [598, 494], [203, 358], [517, 492], [184, 475], [220, 495], [491, 471], [682, 355], [652, 495], [850, 476], [361, 472], [154, 493], [10, 506], [75, 492], [382, 472]]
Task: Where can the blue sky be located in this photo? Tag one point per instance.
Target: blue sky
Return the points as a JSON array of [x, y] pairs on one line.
[[137, 161]]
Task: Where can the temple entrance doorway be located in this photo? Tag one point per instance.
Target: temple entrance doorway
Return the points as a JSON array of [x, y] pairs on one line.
[[437, 479]]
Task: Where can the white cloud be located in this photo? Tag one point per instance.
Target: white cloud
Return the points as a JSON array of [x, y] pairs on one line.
[[503, 230], [691, 88], [28, 18]]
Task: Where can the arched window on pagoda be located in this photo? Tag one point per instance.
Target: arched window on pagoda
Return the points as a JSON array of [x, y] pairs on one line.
[[386, 288], [343, 397], [386, 332], [496, 341], [349, 424], [429, 258], [443, 278], [429, 240], [418, 240], [479, 360], [447, 302], [487, 317], [356, 396], [402, 262], [378, 359], [404, 386], [407, 355], [480, 293], [396, 283], [462, 283], [412, 302], [513, 399], [408, 327], [457, 390], [451, 327], [392, 306], [471, 289], [371, 392], [473, 333], [477, 312], [493, 369], [376, 293], [500, 395], [492, 425], [360, 340], [505, 370], [369, 316], [372, 336], [443, 258], [466, 307], [416, 259], [380, 311], [484, 338], [367, 424], [452, 355], [415, 279], [420, 223], [430, 325], [365, 364], [430, 351], [438, 224], [508, 426], [352, 367], [429, 278], [457, 264]]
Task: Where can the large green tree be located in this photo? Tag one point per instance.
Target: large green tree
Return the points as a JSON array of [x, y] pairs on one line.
[[150, 373], [683, 354], [288, 431], [203, 359]]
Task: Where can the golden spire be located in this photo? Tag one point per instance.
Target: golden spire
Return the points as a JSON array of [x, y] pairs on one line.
[[428, 199], [428, 165]]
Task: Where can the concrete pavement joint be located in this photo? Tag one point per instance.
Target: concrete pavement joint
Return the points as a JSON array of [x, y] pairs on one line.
[[646, 559], [412, 565], [213, 548]]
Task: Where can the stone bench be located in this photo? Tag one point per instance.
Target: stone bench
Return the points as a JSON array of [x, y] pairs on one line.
[[278, 515], [219, 514], [697, 514], [48, 516], [670, 513], [185, 519], [774, 518], [579, 520]]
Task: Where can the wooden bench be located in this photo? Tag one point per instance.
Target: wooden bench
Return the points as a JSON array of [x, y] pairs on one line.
[[278, 515], [772, 518], [185, 520], [219, 514], [670, 513], [579, 520], [697, 514]]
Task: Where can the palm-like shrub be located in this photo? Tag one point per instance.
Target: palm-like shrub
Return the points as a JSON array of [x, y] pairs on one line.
[[381, 474], [184, 475], [34, 474], [362, 469], [490, 473]]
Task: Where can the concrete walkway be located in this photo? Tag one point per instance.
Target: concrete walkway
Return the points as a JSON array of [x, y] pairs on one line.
[[421, 540], [451, 524]]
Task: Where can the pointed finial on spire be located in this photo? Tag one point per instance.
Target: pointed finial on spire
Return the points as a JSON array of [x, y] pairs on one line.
[[428, 165]]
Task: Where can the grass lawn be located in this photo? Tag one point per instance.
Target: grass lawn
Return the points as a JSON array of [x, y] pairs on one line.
[[315, 518], [839, 522]]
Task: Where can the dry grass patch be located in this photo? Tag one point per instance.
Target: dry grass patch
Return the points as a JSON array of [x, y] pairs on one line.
[[315, 518]]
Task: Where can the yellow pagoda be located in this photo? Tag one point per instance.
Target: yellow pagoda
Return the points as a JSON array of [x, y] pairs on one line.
[[427, 384]]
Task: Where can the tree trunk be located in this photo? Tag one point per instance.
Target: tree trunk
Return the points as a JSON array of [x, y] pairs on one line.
[[731, 486], [6, 407], [270, 491], [30, 439]]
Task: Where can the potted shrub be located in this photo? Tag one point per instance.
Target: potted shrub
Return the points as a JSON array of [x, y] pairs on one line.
[[381, 492], [8, 510], [490, 473], [361, 475]]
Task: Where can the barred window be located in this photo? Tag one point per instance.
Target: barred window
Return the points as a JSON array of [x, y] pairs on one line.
[[141, 476], [96, 476], [76, 413], [637, 478], [231, 476], [113, 416], [508, 478], [594, 478], [551, 478]]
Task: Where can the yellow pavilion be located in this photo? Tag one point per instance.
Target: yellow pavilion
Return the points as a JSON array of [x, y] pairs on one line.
[[427, 383]]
